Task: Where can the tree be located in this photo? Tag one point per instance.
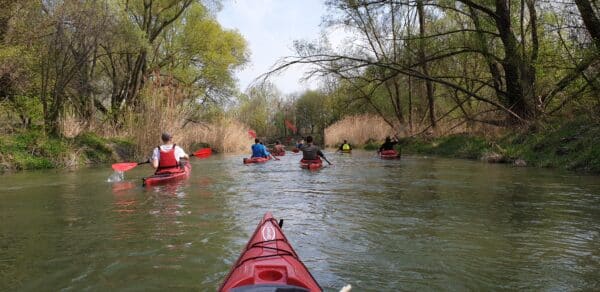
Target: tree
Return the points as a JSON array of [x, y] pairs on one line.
[[255, 107], [95, 58], [495, 62], [313, 112]]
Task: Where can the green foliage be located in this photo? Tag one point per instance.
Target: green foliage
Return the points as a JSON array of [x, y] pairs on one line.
[[372, 145], [313, 112], [23, 161], [255, 109], [572, 145], [203, 50], [460, 146], [32, 150], [93, 58], [95, 148]]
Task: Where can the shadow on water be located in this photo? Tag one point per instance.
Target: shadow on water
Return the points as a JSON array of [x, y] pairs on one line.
[[380, 225]]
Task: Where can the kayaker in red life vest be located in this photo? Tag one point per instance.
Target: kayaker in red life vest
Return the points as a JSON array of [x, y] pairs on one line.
[[278, 148], [165, 158], [310, 151], [388, 144]]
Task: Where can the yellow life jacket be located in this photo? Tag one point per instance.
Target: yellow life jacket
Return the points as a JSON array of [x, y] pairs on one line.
[[346, 147]]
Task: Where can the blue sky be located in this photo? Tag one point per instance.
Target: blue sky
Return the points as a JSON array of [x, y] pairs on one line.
[[270, 27]]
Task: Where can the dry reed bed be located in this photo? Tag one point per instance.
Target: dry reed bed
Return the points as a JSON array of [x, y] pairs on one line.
[[357, 130], [165, 110], [361, 129]]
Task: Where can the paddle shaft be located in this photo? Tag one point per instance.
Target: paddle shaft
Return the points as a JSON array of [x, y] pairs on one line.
[[126, 166]]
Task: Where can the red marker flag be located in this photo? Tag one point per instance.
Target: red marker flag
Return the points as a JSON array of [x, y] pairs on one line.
[[290, 126]]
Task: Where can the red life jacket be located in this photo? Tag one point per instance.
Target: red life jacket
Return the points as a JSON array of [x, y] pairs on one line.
[[167, 162]]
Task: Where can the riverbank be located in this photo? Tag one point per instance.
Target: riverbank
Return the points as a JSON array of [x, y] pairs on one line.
[[32, 149], [28, 149], [572, 146]]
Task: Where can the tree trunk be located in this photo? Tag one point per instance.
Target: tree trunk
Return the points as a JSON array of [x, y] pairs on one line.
[[519, 74], [590, 20], [424, 67]]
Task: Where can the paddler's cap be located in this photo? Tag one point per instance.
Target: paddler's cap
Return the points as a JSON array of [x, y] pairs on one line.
[[166, 136]]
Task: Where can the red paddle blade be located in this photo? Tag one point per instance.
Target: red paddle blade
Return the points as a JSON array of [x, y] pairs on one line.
[[125, 166], [252, 134], [204, 152]]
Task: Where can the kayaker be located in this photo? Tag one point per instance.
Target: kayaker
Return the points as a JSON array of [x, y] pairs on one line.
[[300, 143], [310, 151], [166, 157], [388, 144], [259, 150], [278, 148], [345, 147]]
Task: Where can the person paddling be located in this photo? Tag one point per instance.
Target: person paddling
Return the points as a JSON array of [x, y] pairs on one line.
[[278, 148], [166, 158], [259, 150], [312, 152], [388, 144], [345, 147]]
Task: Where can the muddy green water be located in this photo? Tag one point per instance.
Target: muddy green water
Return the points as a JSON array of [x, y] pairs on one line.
[[418, 224]]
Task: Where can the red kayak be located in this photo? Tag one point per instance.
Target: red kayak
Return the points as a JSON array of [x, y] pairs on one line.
[[389, 154], [162, 178], [269, 264], [311, 164], [255, 160]]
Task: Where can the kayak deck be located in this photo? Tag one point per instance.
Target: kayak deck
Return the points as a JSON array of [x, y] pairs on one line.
[[255, 160], [389, 154], [158, 179], [269, 263], [311, 164]]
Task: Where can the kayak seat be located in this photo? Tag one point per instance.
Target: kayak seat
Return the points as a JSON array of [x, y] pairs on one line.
[[269, 288]]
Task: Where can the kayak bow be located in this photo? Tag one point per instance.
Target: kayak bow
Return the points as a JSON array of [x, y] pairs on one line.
[[268, 263]]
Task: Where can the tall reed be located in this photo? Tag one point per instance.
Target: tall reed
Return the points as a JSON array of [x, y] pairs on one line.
[[166, 110], [361, 129], [357, 130]]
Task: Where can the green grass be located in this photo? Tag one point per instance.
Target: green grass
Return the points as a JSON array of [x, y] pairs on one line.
[[460, 146], [371, 145], [95, 148], [32, 149], [570, 145]]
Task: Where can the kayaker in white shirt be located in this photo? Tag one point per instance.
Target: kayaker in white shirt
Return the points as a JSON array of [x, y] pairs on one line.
[[172, 156]]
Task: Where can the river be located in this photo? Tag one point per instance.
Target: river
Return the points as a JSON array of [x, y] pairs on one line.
[[414, 224]]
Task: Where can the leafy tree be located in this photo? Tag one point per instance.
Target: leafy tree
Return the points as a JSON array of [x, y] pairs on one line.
[[313, 112], [497, 62], [94, 58], [255, 108]]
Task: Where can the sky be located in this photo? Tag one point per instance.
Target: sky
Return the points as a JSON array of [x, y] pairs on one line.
[[270, 28]]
